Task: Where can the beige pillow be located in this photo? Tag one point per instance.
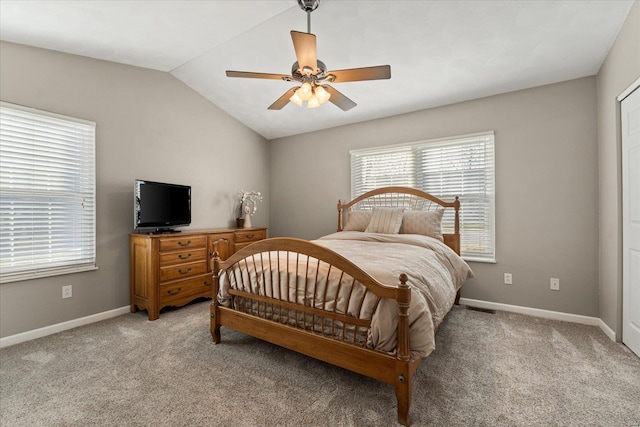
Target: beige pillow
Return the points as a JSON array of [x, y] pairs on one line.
[[357, 220], [427, 223], [385, 220]]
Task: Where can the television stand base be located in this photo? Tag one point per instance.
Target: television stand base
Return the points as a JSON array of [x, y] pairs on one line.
[[164, 231]]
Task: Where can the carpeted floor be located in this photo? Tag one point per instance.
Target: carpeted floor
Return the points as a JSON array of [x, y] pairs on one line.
[[488, 370]]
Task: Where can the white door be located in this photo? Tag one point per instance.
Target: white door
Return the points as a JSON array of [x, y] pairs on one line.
[[630, 116]]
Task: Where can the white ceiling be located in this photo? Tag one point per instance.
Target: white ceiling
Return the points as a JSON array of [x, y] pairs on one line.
[[440, 52]]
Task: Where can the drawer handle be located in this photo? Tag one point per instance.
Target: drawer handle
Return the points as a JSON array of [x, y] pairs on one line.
[[184, 272], [184, 244], [207, 283], [185, 257], [172, 292], [215, 242], [250, 236]]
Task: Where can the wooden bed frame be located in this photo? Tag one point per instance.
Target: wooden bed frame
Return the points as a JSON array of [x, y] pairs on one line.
[[284, 322]]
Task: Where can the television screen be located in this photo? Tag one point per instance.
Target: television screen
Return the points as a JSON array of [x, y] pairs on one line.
[[159, 205]]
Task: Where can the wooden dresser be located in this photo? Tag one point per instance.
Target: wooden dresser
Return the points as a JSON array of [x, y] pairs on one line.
[[174, 269]]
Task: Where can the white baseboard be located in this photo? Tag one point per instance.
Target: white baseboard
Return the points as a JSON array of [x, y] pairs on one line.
[[607, 330], [546, 314], [53, 329]]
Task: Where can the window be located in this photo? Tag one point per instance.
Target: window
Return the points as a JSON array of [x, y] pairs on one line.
[[460, 166], [47, 194]]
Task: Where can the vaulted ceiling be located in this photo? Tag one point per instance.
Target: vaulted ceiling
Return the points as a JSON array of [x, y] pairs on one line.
[[440, 52]]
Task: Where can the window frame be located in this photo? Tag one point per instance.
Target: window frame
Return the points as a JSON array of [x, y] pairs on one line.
[[81, 230], [396, 177]]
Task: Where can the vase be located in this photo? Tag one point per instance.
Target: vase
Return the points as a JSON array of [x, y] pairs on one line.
[[239, 222], [247, 221]]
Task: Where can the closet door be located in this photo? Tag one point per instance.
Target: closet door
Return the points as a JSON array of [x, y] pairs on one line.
[[630, 120]]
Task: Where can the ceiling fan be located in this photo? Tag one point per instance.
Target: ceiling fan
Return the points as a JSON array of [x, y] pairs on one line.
[[312, 73]]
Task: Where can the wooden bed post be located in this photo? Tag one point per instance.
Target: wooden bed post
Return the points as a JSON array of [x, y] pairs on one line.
[[339, 214], [404, 301], [215, 310], [404, 386], [404, 376], [456, 206]]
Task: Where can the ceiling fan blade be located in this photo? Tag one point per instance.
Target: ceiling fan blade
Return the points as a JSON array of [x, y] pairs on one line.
[[358, 74], [250, 75], [339, 99], [305, 47], [283, 100]]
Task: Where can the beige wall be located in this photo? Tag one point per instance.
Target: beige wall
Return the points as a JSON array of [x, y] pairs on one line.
[[149, 126], [546, 182], [620, 69]]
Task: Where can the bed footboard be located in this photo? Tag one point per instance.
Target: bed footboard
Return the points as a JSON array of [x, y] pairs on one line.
[[309, 299]]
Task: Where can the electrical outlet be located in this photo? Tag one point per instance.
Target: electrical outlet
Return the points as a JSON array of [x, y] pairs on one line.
[[555, 284], [67, 291], [508, 279]]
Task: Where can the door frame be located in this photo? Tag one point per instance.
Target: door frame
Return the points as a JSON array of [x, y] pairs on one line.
[[631, 88]]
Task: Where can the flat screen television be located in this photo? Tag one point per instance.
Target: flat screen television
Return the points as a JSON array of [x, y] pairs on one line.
[[160, 206]]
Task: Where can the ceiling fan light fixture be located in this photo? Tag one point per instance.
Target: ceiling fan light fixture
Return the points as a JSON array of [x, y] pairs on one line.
[[313, 102], [296, 99], [322, 95], [305, 92]]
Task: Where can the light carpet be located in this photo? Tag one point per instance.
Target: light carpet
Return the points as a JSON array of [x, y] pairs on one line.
[[499, 369]]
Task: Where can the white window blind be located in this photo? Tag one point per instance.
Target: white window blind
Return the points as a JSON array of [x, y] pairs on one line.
[[47, 194], [381, 168], [460, 166]]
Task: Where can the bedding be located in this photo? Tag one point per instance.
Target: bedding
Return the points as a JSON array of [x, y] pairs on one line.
[[427, 223], [357, 221], [435, 274], [385, 220]]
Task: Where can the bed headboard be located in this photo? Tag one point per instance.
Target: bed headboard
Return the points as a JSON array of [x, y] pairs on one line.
[[409, 198]]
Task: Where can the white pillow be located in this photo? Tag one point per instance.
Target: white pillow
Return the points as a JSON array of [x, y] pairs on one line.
[[427, 223], [357, 220], [385, 220]]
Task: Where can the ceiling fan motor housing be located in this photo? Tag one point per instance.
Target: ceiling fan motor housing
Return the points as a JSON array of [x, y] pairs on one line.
[[317, 74]]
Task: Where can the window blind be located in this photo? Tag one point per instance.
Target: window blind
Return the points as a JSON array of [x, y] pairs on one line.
[[462, 166], [381, 168], [47, 194]]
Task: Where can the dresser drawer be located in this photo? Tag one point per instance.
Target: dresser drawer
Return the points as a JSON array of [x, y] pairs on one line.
[[250, 236], [183, 270], [189, 255], [185, 242], [197, 286]]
